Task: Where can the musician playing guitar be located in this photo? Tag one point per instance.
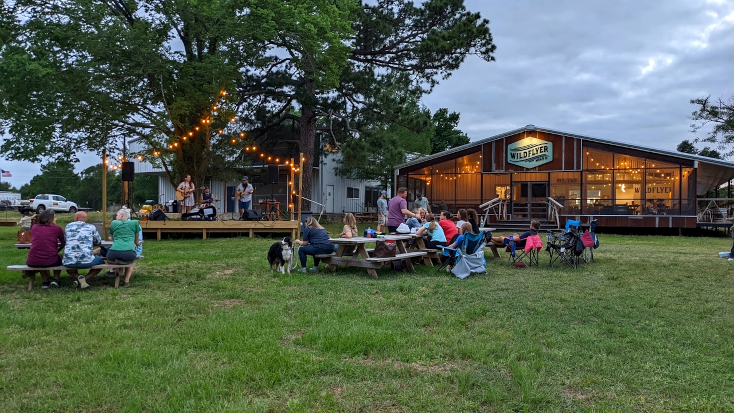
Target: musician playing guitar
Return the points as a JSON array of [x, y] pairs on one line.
[[207, 199], [243, 194], [185, 194]]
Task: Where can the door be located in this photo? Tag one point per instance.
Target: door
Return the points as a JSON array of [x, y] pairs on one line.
[[529, 200], [329, 198]]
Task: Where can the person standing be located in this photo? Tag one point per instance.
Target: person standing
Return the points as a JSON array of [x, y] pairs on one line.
[[47, 239], [397, 209], [244, 195], [81, 238], [186, 189], [382, 211], [421, 202]]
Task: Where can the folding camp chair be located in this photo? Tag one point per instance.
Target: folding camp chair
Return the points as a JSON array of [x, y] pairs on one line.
[[561, 247], [448, 258], [525, 252], [470, 256]]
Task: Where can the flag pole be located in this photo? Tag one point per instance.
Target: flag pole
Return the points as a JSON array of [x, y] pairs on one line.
[[300, 198]]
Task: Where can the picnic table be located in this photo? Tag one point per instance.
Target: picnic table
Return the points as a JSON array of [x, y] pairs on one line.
[[27, 245], [360, 256]]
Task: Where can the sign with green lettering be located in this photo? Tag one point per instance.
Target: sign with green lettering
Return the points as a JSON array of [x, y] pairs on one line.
[[530, 152]]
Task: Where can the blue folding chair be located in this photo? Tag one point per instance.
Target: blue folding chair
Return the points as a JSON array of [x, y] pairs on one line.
[[469, 257]]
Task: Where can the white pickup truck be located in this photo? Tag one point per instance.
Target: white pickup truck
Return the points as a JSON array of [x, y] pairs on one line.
[[54, 202]]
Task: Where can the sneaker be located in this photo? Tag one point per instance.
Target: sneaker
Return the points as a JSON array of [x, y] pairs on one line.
[[313, 269], [54, 284], [730, 259], [126, 284], [46, 285], [82, 282], [303, 270], [111, 273], [76, 283]]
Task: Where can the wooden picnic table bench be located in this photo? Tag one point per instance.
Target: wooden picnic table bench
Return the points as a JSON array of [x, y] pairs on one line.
[[30, 272], [361, 257]]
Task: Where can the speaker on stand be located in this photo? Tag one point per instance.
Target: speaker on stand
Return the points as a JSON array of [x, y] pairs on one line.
[[128, 176]]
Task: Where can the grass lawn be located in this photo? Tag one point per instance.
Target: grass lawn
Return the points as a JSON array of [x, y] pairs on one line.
[[205, 326]]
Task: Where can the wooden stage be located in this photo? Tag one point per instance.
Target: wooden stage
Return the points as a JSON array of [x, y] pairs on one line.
[[204, 227]]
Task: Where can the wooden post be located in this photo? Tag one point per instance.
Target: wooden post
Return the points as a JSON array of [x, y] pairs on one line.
[[291, 190], [104, 195], [300, 188]]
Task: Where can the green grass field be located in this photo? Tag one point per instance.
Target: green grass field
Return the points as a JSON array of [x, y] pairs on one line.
[[205, 326]]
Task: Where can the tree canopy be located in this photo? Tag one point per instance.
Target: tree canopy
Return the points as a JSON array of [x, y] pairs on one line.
[[717, 118], [687, 147], [199, 83]]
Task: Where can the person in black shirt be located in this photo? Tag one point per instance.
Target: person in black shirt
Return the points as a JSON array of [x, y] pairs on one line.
[[315, 242]]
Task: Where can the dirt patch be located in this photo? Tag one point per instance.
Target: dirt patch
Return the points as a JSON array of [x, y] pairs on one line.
[[577, 395], [443, 368], [220, 274], [290, 338]]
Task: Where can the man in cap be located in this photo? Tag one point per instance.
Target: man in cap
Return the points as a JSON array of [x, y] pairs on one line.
[[382, 211], [421, 202], [244, 195], [78, 251]]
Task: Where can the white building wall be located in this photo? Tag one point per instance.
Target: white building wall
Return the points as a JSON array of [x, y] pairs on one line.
[[333, 189]]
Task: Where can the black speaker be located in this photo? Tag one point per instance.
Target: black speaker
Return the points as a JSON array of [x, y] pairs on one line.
[[272, 174], [128, 171], [252, 215], [157, 215]]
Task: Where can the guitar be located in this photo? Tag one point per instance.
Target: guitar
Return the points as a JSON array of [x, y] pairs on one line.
[[181, 196], [239, 194]]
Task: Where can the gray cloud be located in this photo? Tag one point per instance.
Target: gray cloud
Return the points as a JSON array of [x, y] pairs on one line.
[[618, 70]]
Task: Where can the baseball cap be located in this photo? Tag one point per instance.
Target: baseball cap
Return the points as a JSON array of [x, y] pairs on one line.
[[383, 192], [244, 178]]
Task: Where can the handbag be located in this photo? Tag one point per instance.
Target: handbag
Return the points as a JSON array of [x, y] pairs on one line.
[[384, 250], [24, 236]]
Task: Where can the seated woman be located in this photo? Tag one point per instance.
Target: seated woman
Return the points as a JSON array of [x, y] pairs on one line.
[[465, 229], [349, 230], [449, 228], [124, 242], [460, 217], [315, 242], [434, 231], [473, 219], [415, 221], [47, 239], [519, 239]]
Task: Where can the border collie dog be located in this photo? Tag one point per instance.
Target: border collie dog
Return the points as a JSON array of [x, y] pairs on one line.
[[281, 255]]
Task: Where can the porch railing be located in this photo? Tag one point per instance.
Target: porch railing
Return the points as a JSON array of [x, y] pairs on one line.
[[496, 206], [554, 208]]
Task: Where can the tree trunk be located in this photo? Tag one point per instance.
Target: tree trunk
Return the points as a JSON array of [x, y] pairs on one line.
[[308, 136]]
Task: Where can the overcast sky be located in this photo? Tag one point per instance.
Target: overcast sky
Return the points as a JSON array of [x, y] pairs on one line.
[[617, 70]]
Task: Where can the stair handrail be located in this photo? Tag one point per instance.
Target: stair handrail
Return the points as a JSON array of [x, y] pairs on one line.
[[497, 206], [553, 211]]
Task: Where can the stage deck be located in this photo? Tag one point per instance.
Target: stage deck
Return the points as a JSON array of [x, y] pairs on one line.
[[204, 227]]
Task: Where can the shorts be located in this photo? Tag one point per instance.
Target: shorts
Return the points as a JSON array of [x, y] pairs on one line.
[[381, 220], [244, 205], [121, 256], [96, 261]]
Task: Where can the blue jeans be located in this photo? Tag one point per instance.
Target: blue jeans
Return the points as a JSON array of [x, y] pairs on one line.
[[312, 250]]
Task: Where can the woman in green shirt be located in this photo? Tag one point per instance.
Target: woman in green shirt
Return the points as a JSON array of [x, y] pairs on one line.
[[124, 240]]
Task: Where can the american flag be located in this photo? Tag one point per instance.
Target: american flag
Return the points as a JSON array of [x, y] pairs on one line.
[[6, 174]]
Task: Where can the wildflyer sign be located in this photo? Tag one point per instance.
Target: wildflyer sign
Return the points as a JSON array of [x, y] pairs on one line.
[[530, 152]]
